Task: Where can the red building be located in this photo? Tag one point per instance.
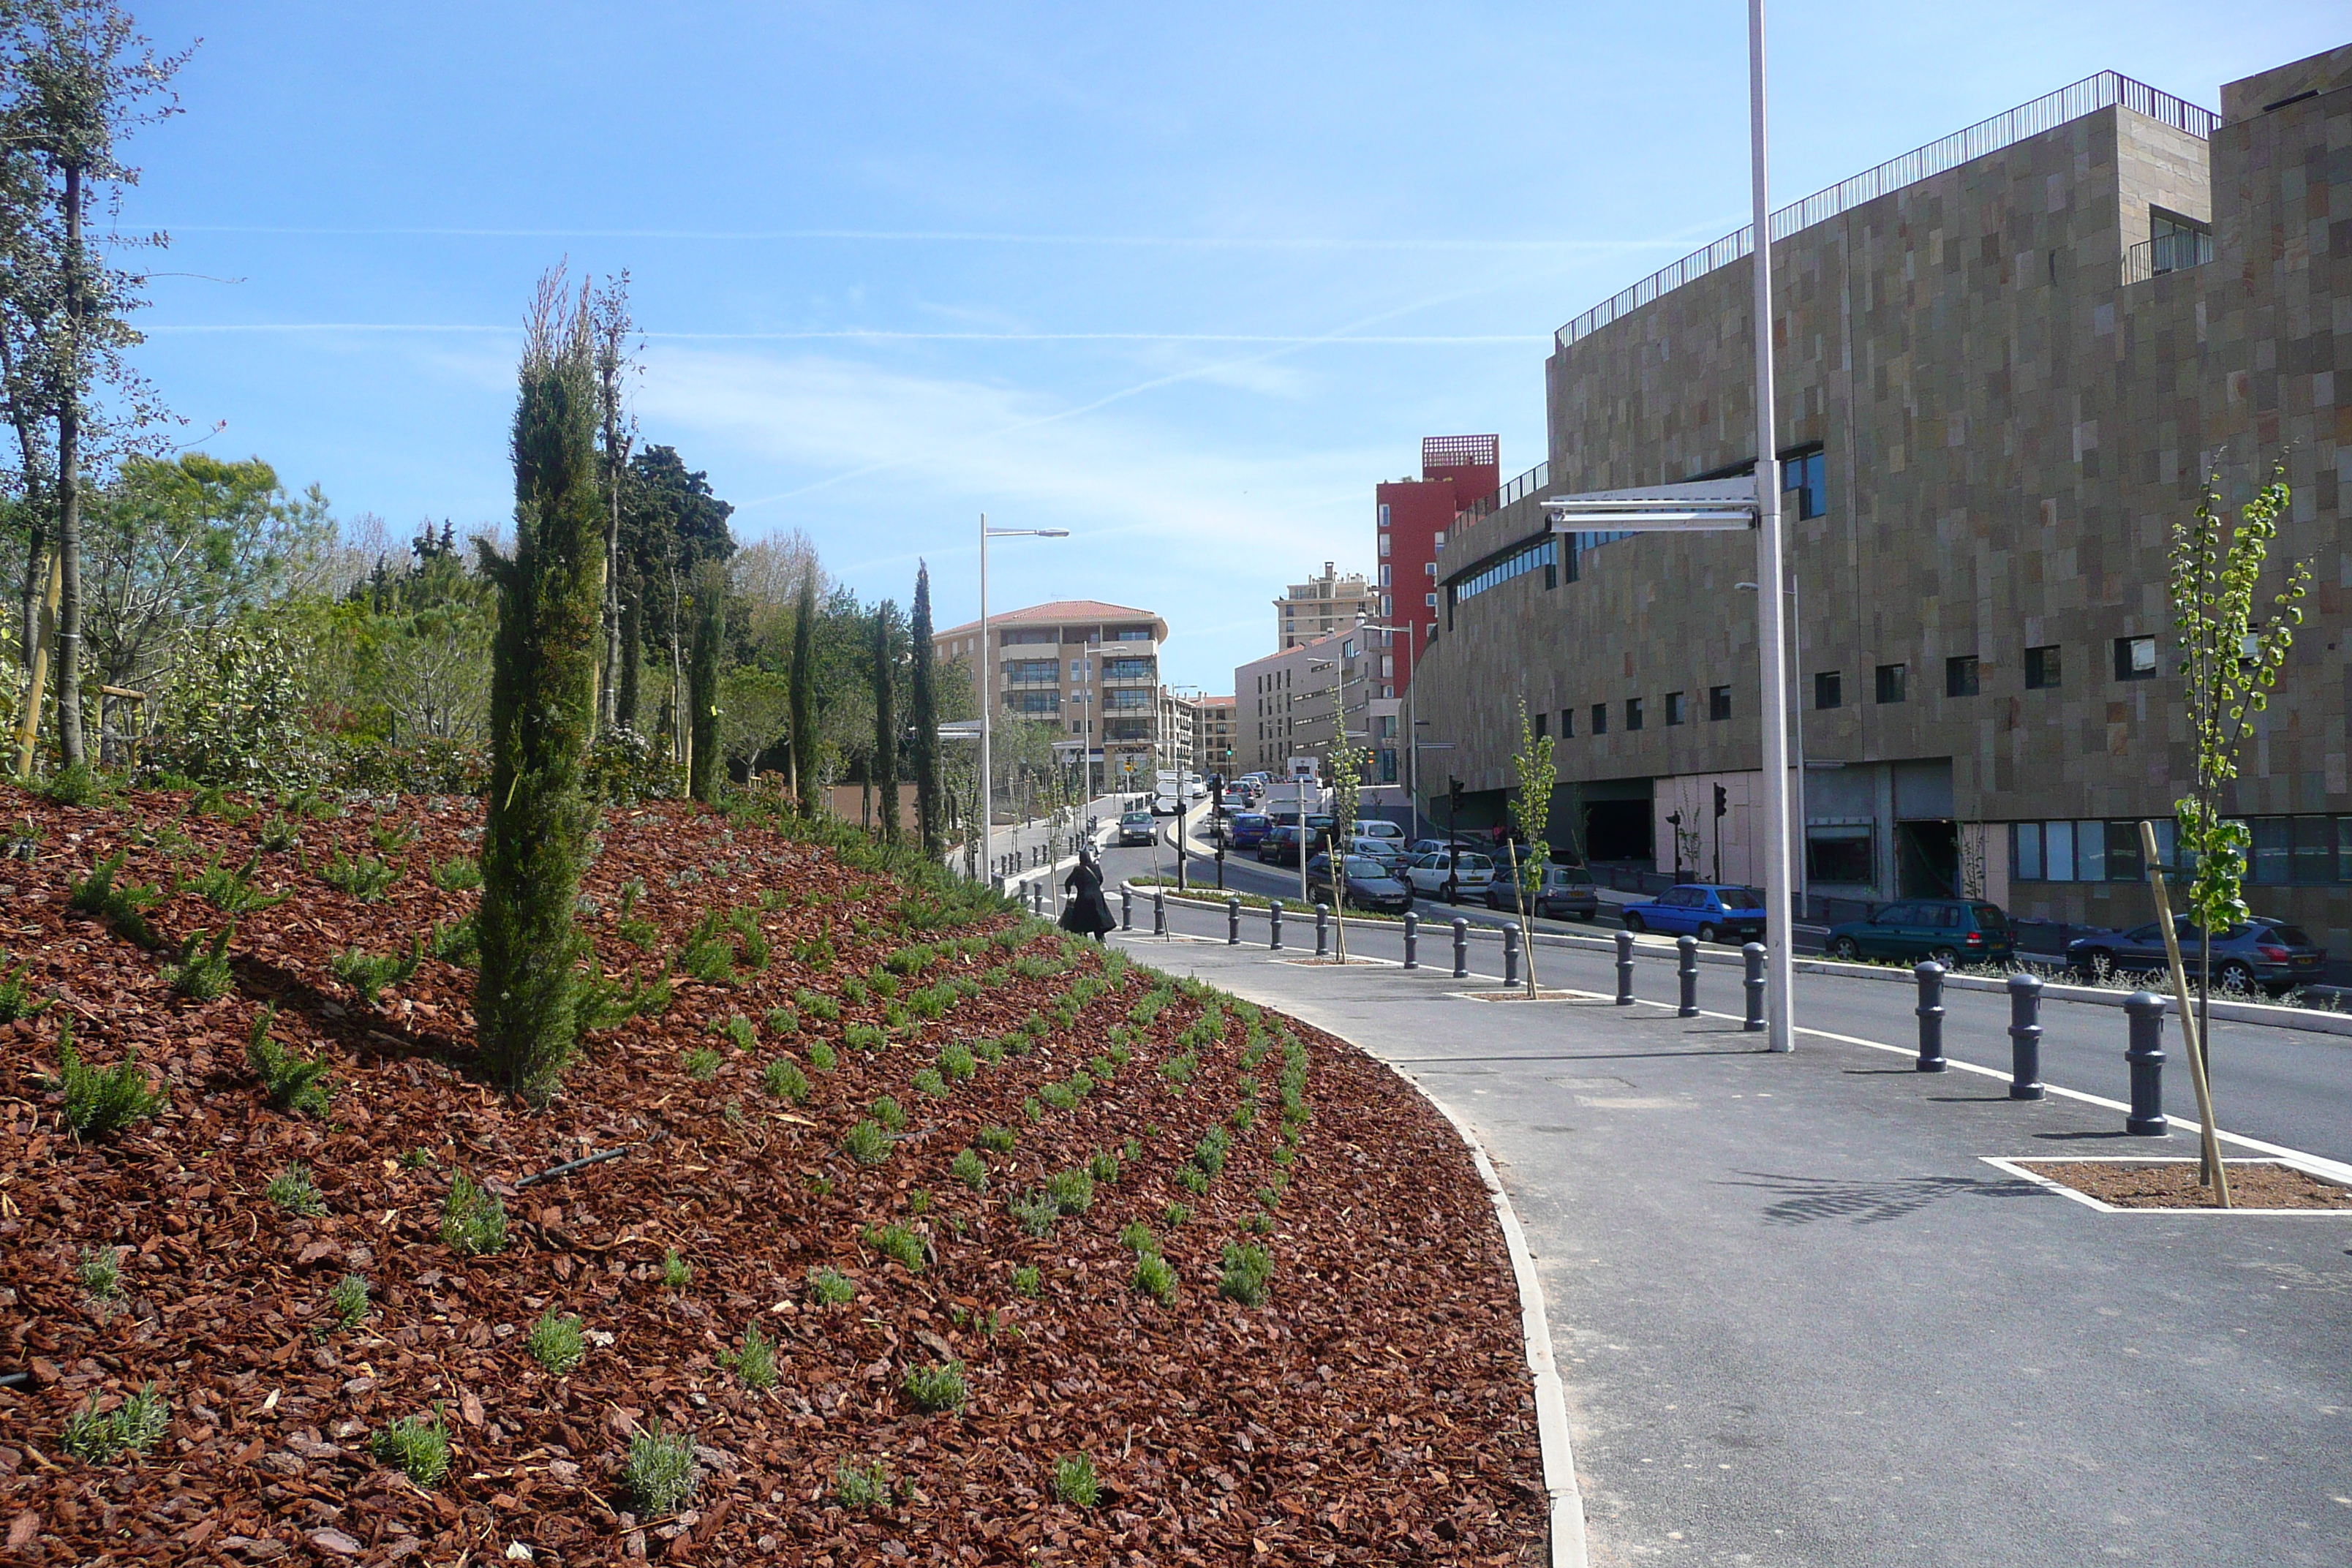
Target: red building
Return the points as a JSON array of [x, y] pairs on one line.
[[1456, 471]]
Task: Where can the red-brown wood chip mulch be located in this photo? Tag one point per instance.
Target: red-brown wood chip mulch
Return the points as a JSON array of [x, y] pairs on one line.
[[1375, 1408]]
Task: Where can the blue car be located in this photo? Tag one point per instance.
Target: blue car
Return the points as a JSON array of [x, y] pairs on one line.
[[1707, 910], [1246, 828]]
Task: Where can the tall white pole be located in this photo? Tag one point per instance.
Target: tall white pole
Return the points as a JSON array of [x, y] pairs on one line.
[[987, 702], [1770, 649]]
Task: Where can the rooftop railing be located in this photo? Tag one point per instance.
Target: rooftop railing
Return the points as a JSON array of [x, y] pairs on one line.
[[2105, 90], [1536, 479]]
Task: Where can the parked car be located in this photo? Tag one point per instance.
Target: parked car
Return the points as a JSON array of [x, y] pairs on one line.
[[1565, 893], [1450, 873], [1420, 847], [1135, 827], [1237, 799], [1280, 846], [1949, 931], [1380, 827], [2261, 952], [1369, 885], [1710, 911], [1244, 829], [1385, 850]]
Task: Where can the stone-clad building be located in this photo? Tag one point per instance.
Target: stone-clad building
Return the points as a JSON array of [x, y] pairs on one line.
[[2004, 364]]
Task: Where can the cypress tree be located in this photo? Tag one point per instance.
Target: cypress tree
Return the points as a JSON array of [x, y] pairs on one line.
[[884, 767], [702, 679], [924, 716], [799, 692], [536, 837]]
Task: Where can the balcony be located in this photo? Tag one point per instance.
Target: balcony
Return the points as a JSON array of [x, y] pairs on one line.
[[2175, 251]]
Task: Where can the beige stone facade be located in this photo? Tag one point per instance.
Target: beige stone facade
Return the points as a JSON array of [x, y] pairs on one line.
[[1322, 606], [2001, 431]]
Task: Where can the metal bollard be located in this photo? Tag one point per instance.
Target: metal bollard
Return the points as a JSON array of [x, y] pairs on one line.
[[1624, 969], [1411, 940], [1127, 908], [1461, 948], [2024, 1036], [1233, 922], [2146, 1056], [1322, 931], [1510, 953], [1686, 973], [1931, 1015], [1159, 914], [1754, 953], [1273, 926]]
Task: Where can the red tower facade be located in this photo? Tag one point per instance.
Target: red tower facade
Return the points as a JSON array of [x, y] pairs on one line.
[[1413, 517]]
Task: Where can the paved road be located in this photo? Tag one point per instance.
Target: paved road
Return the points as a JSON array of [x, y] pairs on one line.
[[2283, 1086], [1801, 1323]]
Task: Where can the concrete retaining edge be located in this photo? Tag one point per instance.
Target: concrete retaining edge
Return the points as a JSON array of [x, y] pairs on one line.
[[2307, 1020]]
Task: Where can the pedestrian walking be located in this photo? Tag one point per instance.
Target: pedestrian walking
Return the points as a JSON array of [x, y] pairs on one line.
[[1087, 912]]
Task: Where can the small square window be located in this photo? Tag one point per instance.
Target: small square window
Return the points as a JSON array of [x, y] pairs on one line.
[[1429, 600], [2044, 670], [1601, 717], [1543, 726], [1633, 713], [1960, 676], [1719, 702], [1674, 707], [1892, 681], [2135, 658], [1829, 689]]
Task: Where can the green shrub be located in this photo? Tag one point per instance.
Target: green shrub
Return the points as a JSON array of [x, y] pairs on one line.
[[473, 1220], [864, 1037], [364, 878], [417, 1447], [854, 992], [816, 951], [76, 786], [927, 1081], [369, 972], [1208, 1154], [832, 1288], [886, 1111], [456, 941], [1155, 1277], [652, 999], [642, 934], [896, 1241], [784, 1021], [998, 1140], [458, 874], [755, 1364], [100, 1272], [1103, 1166], [699, 1062], [1026, 1281], [1247, 1270], [1193, 1180], [936, 1388], [677, 1273], [709, 960], [100, 1104], [279, 834], [866, 1143], [349, 1300], [232, 893], [130, 1426], [201, 972], [1175, 1213], [821, 1057], [292, 1190], [970, 1169], [16, 997], [1072, 1191], [862, 1486], [1060, 1096], [783, 1079], [557, 1341], [1035, 1212], [1136, 1237], [990, 1051], [1075, 1481], [661, 1473], [123, 907]]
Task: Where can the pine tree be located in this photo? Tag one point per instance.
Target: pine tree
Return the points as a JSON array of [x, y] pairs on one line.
[[924, 715], [702, 679], [885, 765], [800, 694], [536, 837]]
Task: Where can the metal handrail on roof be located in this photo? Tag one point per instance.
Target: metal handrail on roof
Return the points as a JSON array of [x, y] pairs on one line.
[[2105, 90]]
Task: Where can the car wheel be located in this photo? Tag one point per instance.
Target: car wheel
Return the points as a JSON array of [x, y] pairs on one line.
[[2236, 976], [1589, 916], [1706, 933], [1943, 955], [1846, 948], [1635, 924]]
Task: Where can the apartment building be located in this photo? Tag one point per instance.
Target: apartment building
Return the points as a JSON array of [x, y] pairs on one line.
[[1090, 668], [1410, 518], [1286, 704], [1215, 741], [1322, 606]]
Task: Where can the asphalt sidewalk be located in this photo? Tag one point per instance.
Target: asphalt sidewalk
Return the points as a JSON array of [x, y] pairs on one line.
[[1801, 1321]]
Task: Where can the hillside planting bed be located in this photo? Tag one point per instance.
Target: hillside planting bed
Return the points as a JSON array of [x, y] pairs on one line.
[[931, 1236]]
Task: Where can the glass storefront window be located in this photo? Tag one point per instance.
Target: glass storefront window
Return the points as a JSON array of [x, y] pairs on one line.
[[2058, 851], [2027, 861], [2090, 851]]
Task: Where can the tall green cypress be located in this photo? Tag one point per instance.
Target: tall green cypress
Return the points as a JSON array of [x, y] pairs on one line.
[[924, 718], [702, 681], [536, 840], [884, 766], [799, 692]]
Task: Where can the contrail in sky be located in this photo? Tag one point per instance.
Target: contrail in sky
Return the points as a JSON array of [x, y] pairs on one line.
[[881, 334], [944, 236]]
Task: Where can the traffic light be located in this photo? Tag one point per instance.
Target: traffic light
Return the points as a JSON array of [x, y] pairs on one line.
[[1454, 793], [1722, 801]]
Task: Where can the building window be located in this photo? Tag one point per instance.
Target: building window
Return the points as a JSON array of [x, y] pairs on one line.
[[1829, 689], [1429, 568], [1601, 717], [1674, 707], [1428, 600], [1633, 713], [1384, 545], [1441, 539], [1807, 478], [1543, 726], [1384, 574], [1891, 683], [2135, 658], [1719, 702], [1839, 852], [1960, 676], [2044, 670], [1567, 723], [1384, 514]]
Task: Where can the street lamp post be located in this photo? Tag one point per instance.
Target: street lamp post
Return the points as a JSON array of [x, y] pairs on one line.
[[1796, 731], [988, 683], [1411, 706]]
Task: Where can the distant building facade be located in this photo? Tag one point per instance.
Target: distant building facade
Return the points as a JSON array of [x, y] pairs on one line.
[[2004, 366], [1091, 670], [1216, 738], [1410, 518], [1322, 606], [1286, 704]]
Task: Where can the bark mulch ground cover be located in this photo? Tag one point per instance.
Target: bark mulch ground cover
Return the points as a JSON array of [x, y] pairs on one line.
[[931, 1236], [2172, 1184]]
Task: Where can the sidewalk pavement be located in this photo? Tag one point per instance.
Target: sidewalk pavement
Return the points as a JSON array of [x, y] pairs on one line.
[[1801, 1321]]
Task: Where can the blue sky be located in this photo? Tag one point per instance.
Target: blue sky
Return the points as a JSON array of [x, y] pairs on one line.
[[1186, 280]]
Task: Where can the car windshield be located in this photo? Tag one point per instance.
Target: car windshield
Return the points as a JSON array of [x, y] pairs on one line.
[[1568, 877], [1474, 863], [1989, 918], [1739, 899], [1134, 819], [2291, 935], [1367, 869]]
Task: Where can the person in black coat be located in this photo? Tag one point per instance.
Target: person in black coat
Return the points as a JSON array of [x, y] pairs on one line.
[[1088, 913]]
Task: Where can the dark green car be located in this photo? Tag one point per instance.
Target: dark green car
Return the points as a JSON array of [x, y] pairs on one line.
[[1949, 931]]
